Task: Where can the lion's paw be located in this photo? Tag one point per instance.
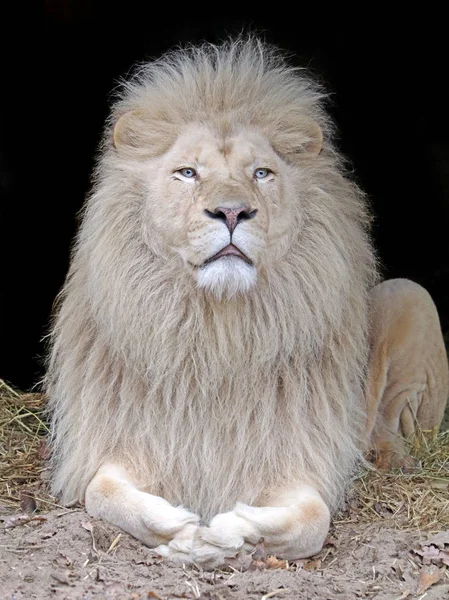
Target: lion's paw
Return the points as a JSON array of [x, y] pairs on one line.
[[289, 532], [225, 537], [158, 522], [180, 549], [207, 547]]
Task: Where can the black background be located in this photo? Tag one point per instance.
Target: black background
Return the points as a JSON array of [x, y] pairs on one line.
[[387, 73]]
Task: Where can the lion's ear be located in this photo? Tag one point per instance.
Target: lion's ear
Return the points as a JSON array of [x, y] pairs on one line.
[[315, 137], [304, 138], [139, 131]]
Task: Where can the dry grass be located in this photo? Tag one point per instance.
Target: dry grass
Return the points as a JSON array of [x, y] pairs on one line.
[[412, 498], [22, 449], [417, 499]]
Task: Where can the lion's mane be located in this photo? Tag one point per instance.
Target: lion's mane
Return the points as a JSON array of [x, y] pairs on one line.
[[211, 401]]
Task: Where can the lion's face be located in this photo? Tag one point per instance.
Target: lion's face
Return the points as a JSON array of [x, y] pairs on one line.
[[220, 205]]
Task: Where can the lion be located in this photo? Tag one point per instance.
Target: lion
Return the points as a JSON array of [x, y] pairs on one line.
[[211, 344]]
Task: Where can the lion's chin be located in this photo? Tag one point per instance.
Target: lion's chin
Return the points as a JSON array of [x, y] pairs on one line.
[[226, 277]]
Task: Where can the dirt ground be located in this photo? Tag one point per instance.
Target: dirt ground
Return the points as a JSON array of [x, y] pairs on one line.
[[64, 554]]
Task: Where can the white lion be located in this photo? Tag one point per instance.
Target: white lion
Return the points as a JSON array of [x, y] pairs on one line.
[[211, 343]]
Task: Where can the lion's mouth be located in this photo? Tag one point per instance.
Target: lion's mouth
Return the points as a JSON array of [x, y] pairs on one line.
[[229, 250]]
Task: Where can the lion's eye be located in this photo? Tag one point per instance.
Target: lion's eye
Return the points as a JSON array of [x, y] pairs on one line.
[[261, 173], [188, 172]]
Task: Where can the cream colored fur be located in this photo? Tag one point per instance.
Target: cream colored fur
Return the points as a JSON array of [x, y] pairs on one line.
[[408, 376], [231, 388]]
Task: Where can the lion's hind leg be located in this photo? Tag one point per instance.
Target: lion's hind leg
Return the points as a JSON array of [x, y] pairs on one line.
[[408, 381], [113, 496]]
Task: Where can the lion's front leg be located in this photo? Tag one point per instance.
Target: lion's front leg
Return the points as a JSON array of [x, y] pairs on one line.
[[294, 525], [113, 496]]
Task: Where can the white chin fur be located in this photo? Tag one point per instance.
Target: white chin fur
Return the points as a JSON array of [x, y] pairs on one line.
[[227, 277]]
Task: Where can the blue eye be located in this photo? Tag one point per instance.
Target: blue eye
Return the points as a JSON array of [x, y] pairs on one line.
[[261, 173], [188, 172]]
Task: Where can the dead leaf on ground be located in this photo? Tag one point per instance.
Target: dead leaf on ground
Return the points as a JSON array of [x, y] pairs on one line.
[[256, 560], [259, 552], [331, 541], [27, 502], [308, 564], [440, 539], [312, 565], [428, 554], [273, 562], [428, 578], [436, 550], [21, 519], [89, 527]]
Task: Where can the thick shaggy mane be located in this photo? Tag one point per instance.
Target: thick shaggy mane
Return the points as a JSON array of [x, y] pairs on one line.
[[212, 401], [243, 81]]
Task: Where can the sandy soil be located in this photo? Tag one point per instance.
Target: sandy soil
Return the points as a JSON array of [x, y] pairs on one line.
[[65, 554]]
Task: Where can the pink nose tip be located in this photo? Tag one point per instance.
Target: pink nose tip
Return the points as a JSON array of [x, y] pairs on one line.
[[231, 216]]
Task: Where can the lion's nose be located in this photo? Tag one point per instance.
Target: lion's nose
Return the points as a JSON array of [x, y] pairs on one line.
[[231, 216]]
